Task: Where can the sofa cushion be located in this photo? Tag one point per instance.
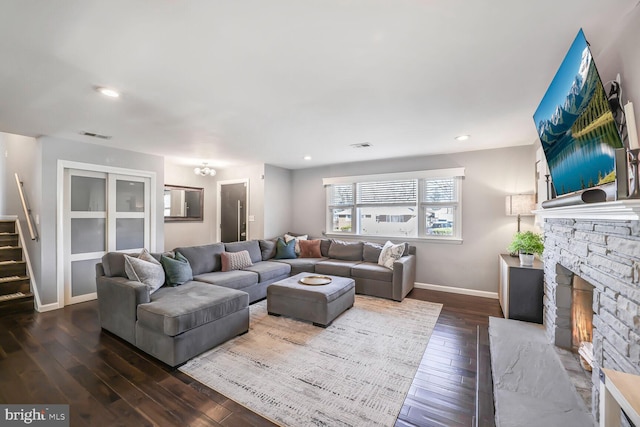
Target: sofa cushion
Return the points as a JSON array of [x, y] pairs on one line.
[[236, 279], [113, 264], [285, 250], [390, 253], [269, 270], [371, 252], [177, 269], [310, 249], [268, 249], [145, 269], [173, 311], [301, 265], [251, 246], [335, 267], [297, 238], [325, 244], [369, 270], [203, 259], [235, 260], [348, 251]]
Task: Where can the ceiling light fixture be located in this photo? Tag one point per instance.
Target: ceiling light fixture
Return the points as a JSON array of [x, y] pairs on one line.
[[307, 157], [204, 170], [111, 93], [462, 137]]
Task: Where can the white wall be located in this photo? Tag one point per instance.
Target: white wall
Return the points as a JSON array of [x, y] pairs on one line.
[[490, 176], [189, 233], [277, 201], [621, 54]]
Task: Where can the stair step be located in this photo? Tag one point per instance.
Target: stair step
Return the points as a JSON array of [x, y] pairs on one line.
[[16, 303], [13, 268], [7, 226], [14, 284], [9, 239], [10, 253]]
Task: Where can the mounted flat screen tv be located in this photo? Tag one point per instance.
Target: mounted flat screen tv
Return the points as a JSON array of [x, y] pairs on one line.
[[576, 126]]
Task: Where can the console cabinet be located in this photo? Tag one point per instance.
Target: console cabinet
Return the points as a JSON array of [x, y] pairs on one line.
[[521, 289]]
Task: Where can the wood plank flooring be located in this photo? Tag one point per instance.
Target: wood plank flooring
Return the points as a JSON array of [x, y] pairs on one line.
[[63, 357]]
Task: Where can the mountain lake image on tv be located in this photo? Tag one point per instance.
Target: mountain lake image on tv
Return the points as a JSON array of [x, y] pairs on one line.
[[576, 126]]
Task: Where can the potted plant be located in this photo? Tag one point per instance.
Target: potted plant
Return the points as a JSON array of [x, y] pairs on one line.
[[526, 244]]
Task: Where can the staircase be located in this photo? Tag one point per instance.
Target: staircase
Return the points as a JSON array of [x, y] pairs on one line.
[[15, 285]]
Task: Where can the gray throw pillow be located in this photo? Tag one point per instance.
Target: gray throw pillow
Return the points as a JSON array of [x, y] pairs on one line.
[[371, 252], [177, 269], [268, 248], [144, 269]]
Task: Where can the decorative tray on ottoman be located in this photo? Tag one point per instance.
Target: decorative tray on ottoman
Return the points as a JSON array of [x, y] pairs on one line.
[[315, 280]]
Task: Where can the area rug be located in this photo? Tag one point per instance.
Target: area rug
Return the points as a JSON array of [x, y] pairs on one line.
[[356, 372]]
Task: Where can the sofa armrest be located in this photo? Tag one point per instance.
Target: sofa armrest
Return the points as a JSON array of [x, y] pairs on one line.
[[404, 276], [118, 299]]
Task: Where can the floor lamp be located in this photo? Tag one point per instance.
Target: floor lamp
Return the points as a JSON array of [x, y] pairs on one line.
[[520, 205]]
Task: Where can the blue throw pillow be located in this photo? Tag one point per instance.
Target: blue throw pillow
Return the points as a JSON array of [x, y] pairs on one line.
[[285, 250], [177, 270]]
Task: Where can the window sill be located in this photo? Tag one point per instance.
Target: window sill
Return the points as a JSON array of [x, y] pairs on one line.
[[383, 239]]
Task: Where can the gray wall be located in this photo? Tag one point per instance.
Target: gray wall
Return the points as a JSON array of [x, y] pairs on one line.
[[51, 151], [178, 234], [490, 175], [277, 201]]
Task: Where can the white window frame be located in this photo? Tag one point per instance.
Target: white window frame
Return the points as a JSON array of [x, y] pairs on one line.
[[456, 173]]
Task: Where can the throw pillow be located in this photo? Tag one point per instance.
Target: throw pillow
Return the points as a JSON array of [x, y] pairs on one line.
[[288, 238], [235, 260], [144, 269], [310, 249], [268, 248], [371, 252], [177, 269], [285, 250], [390, 253]]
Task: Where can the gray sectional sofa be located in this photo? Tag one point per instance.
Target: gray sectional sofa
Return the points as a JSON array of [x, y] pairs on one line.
[[175, 324]]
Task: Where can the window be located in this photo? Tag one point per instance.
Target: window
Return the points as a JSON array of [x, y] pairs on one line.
[[423, 204]]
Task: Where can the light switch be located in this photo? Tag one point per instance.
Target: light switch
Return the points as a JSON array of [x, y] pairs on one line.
[[252, 218]]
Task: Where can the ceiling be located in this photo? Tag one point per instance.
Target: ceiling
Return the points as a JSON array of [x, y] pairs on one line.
[[254, 81]]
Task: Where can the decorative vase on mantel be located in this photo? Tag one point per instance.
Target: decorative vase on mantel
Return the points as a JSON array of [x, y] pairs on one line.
[[526, 260]]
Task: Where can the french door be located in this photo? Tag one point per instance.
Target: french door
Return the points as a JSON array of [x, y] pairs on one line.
[[102, 212]]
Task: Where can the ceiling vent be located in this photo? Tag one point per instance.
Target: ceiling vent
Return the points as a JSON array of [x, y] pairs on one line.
[[361, 145], [95, 135]]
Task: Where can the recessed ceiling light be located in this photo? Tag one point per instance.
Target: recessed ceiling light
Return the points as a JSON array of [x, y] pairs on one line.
[[111, 93], [462, 137], [307, 157]]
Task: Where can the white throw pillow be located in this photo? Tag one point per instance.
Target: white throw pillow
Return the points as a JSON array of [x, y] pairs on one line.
[[145, 269], [390, 253], [288, 238]]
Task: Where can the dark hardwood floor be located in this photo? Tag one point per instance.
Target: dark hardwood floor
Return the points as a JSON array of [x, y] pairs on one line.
[[63, 357]]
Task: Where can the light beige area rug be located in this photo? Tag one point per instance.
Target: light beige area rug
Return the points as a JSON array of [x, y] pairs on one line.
[[356, 372]]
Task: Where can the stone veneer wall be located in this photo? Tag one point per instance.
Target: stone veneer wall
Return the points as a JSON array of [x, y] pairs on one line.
[[605, 253]]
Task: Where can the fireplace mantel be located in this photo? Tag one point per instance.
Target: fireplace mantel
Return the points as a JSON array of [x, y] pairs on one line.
[[618, 210]]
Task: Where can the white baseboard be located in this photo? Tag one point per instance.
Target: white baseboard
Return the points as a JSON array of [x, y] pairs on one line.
[[47, 307], [454, 290]]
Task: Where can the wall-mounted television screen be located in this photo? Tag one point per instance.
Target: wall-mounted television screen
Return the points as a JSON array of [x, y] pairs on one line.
[[576, 126]]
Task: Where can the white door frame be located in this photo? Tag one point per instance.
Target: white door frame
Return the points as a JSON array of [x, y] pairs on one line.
[[219, 206], [60, 220]]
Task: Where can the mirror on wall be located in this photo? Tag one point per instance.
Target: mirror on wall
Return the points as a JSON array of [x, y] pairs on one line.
[[183, 203]]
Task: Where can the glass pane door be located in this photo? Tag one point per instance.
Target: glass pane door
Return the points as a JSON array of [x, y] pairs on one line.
[[130, 213], [85, 242]]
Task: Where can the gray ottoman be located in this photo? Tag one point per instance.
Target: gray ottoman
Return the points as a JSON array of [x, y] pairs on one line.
[[317, 304]]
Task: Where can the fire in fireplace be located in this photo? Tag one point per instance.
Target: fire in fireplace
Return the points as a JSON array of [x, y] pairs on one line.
[[582, 320]]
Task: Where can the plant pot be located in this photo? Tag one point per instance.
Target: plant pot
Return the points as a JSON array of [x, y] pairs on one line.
[[526, 260]]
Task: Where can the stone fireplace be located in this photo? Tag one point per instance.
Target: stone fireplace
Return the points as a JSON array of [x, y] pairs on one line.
[[592, 254]]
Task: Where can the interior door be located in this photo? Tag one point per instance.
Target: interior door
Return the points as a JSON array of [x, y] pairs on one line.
[[102, 212], [233, 212]]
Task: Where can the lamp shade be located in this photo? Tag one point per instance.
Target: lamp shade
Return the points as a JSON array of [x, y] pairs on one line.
[[520, 204]]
